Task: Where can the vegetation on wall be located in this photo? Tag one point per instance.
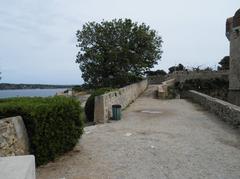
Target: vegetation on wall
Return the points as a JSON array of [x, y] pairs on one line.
[[214, 87], [179, 67], [156, 73], [53, 124], [116, 53]]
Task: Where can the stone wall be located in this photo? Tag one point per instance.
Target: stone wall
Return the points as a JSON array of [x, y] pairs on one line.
[[233, 35], [13, 137], [226, 111], [156, 79], [123, 96], [182, 76], [17, 167], [162, 89]]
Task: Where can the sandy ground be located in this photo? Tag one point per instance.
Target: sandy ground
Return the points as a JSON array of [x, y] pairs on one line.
[[155, 139]]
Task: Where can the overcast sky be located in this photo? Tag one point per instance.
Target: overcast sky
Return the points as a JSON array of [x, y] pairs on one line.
[[38, 43]]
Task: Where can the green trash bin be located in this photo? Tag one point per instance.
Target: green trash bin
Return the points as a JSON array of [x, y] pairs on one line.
[[116, 112]]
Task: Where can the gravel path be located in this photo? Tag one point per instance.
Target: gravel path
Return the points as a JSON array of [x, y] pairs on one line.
[[155, 139]]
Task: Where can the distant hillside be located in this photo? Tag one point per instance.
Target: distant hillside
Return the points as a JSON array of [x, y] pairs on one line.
[[5, 86]]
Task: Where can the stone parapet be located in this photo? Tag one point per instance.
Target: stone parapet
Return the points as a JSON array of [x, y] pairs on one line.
[[123, 96], [226, 111], [162, 90], [182, 76]]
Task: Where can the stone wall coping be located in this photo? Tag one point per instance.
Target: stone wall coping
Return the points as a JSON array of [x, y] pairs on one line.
[[122, 89], [226, 111], [225, 103]]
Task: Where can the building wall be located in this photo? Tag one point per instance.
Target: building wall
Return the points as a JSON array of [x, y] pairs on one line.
[[123, 96], [234, 75]]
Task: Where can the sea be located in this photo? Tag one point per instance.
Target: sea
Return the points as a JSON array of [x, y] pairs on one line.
[[29, 92]]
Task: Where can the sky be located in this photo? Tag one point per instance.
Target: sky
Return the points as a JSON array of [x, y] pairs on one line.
[[38, 42]]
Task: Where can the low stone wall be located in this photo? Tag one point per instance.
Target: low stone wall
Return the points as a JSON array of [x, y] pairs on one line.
[[162, 90], [226, 111], [17, 167], [156, 79], [182, 76], [13, 137], [123, 96]]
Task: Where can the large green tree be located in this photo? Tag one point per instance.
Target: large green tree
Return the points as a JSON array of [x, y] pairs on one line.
[[118, 52]]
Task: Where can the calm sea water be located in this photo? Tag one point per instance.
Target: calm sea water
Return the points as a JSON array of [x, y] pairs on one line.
[[29, 92]]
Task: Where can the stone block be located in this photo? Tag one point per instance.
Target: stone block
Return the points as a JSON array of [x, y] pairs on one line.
[[13, 137], [17, 167]]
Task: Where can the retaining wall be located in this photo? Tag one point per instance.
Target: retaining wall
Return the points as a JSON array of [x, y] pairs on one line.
[[123, 96], [162, 90], [226, 111], [182, 76], [156, 79]]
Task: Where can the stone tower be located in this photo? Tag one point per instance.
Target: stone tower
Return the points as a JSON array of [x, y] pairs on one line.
[[233, 35]]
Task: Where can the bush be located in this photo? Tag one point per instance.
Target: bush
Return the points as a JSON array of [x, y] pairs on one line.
[[215, 87], [53, 124], [89, 107]]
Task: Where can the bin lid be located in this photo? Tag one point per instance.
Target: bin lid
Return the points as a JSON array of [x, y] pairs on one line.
[[116, 106]]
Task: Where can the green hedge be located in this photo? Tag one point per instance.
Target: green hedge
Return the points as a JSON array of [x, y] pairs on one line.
[[89, 107], [53, 124], [215, 87]]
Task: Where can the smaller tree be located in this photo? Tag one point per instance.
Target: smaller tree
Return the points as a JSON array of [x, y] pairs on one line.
[[224, 63], [179, 67], [155, 73]]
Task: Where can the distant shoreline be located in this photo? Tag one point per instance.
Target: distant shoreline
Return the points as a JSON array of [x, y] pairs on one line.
[[10, 86]]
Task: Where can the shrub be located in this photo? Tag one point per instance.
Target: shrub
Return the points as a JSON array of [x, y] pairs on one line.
[[215, 87], [89, 107], [53, 124]]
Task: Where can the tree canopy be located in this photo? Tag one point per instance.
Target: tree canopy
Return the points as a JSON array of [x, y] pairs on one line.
[[116, 53], [224, 63], [179, 67], [155, 73]]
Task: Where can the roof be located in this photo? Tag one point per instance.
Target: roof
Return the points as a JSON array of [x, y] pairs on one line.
[[236, 19]]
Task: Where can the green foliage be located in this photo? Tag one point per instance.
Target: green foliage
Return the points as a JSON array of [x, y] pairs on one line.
[[179, 67], [224, 63], [214, 87], [172, 92], [116, 53], [89, 107], [80, 88], [53, 124], [155, 73]]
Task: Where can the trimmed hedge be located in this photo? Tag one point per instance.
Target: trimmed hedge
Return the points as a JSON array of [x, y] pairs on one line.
[[53, 124], [89, 107]]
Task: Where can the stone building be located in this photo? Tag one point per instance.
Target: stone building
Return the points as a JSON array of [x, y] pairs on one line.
[[233, 35]]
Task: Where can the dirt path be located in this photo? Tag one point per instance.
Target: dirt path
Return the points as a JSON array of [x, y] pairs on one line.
[[155, 139]]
